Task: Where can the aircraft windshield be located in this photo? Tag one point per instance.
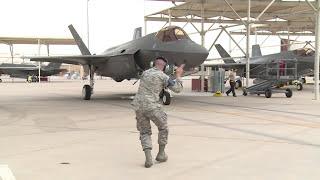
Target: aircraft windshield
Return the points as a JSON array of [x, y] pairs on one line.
[[171, 34], [304, 52]]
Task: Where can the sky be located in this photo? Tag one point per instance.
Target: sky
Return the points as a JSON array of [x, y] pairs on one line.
[[111, 23]]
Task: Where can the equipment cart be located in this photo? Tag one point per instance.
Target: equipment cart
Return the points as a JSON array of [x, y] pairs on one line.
[[275, 75]]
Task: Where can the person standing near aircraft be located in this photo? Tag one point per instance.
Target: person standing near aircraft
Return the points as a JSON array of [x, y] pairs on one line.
[[147, 106], [232, 82]]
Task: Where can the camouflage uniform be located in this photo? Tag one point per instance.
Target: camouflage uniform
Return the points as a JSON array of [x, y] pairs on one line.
[[148, 107]]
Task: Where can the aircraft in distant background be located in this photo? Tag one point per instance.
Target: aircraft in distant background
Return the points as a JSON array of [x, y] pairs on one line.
[[303, 57], [26, 70], [129, 60]]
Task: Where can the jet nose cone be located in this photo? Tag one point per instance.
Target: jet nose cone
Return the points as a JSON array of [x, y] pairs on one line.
[[202, 52], [196, 55]]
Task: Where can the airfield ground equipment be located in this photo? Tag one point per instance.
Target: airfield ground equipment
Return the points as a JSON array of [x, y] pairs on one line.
[[275, 75]]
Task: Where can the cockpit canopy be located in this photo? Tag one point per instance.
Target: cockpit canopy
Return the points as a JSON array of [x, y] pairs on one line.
[[171, 33], [304, 52]]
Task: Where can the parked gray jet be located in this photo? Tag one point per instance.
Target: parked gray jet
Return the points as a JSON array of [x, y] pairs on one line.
[[25, 70], [303, 57], [127, 61]]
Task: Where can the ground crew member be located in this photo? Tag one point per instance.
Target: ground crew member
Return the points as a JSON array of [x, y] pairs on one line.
[[29, 79], [232, 82], [147, 106]]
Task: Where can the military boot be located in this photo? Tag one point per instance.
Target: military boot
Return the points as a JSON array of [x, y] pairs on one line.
[[162, 156], [148, 155]]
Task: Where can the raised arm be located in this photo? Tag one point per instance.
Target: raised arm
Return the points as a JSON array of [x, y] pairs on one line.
[[175, 84]]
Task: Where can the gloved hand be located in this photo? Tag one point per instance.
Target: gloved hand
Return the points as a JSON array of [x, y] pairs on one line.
[[180, 71]]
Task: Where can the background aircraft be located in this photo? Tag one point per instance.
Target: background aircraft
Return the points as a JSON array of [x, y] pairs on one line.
[[26, 70], [303, 57], [127, 61]]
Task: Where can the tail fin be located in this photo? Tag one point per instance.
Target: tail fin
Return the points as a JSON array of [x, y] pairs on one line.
[[223, 53], [256, 50], [83, 48], [137, 33]]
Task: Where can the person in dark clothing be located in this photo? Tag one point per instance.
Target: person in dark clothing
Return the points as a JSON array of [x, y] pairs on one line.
[[232, 81]]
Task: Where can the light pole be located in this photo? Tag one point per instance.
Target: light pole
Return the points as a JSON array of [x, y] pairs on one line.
[[88, 38], [39, 63]]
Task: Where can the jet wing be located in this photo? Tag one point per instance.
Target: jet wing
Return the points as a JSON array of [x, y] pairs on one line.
[[19, 68], [228, 66], [80, 59]]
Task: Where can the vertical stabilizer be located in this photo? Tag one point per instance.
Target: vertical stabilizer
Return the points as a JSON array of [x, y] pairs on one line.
[[223, 53], [256, 51], [137, 33], [83, 48]]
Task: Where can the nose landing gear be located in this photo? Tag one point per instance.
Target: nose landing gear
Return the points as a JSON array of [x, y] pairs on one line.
[[165, 97]]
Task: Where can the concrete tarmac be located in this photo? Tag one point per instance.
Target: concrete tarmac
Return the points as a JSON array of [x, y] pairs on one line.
[[47, 132]]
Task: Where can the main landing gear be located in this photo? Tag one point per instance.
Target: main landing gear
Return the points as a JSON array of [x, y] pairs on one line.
[[87, 90]]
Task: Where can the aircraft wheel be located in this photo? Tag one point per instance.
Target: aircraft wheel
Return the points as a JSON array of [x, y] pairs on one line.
[[299, 86], [303, 80], [166, 98], [244, 92], [288, 93], [238, 84], [268, 93], [86, 92], [0, 80]]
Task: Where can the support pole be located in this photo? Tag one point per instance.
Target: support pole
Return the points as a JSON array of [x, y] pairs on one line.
[[48, 49], [265, 9], [316, 63], [202, 34], [39, 63], [265, 40], [232, 49], [311, 6], [88, 34], [145, 26], [199, 31], [233, 40], [165, 25], [258, 18], [11, 52], [235, 12], [169, 12], [248, 46], [214, 42], [230, 45], [256, 35], [289, 43], [190, 21]]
